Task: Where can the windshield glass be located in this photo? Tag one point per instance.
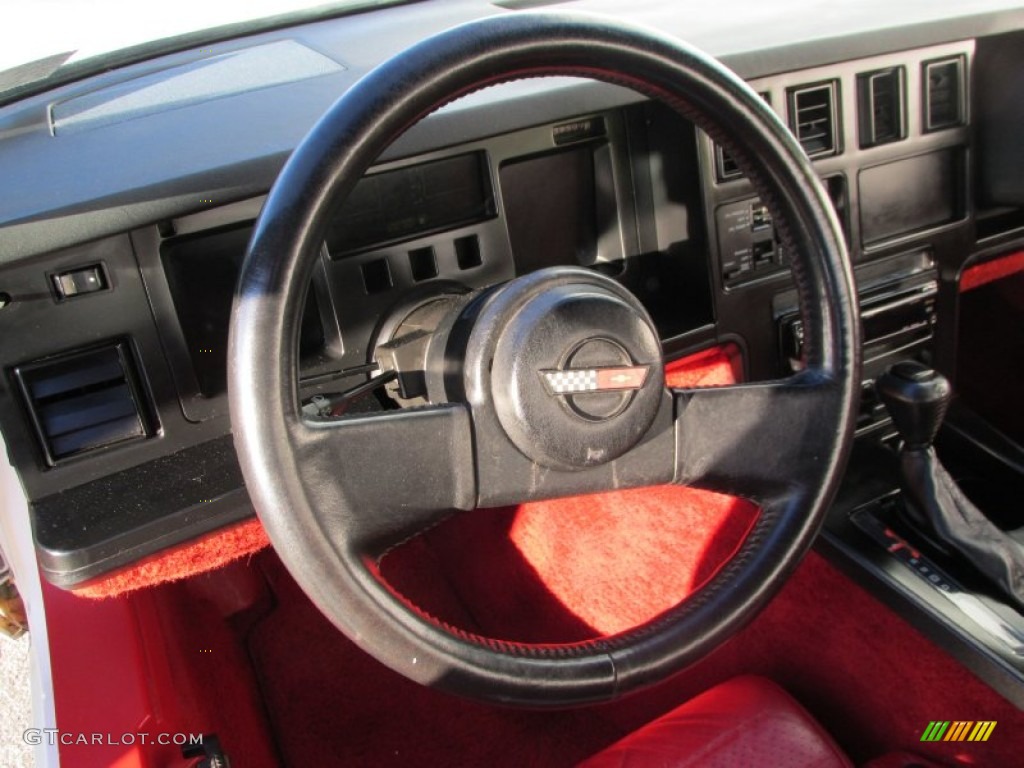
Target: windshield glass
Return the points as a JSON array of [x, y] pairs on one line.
[[43, 41]]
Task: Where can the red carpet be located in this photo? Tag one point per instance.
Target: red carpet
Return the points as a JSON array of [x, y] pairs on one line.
[[872, 680], [157, 661], [206, 553], [571, 569], [714, 367]]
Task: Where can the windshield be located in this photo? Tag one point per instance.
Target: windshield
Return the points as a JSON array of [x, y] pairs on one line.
[[45, 42]]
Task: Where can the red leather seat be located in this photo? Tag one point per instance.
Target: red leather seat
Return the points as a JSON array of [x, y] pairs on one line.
[[748, 721]]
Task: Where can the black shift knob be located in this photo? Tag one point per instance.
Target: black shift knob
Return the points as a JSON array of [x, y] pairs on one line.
[[916, 397]]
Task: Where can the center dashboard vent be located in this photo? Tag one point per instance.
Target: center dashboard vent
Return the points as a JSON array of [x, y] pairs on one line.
[[813, 117], [944, 93], [880, 110], [84, 401]]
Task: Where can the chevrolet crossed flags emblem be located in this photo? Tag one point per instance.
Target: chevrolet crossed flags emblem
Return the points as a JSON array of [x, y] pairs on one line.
[[582, 380]]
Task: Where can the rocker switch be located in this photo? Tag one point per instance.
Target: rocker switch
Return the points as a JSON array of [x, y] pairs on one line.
[[79, 282]]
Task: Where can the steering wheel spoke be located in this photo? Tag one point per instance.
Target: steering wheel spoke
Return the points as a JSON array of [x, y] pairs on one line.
[[759, 440], [388, 477]]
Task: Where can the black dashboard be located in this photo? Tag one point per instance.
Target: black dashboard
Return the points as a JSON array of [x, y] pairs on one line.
[[122, 236]]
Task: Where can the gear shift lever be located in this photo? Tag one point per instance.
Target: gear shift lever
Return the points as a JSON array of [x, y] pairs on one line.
[[916, 398]]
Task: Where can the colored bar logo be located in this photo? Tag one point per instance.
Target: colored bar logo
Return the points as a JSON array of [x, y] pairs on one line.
[[958, 730]]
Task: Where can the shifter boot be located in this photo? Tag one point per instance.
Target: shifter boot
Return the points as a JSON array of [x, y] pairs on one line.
[[960, 525], [917, 397]]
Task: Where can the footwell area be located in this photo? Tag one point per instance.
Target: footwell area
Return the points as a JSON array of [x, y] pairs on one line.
[[570, 569], [872, 680]]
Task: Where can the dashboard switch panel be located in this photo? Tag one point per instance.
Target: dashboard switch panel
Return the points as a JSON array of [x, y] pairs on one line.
[[746, 241]]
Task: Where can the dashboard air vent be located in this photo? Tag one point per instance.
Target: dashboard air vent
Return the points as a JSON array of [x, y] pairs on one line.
[[725, 164], [944, 93], [880, 107], [83, 401], [812, 117]]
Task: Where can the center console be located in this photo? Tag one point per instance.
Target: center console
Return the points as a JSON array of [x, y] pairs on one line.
[[897, 298], [891, 141]]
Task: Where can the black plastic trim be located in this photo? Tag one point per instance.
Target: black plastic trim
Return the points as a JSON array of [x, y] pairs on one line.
[[111, 521]]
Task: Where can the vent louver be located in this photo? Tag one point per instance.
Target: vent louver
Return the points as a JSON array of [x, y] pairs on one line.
[[725, 164], [880, 107], [83, 401], [812, 116], [727, 168], [944, 97]]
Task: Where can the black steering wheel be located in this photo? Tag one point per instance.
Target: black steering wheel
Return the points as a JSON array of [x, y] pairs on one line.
[[548, 385]]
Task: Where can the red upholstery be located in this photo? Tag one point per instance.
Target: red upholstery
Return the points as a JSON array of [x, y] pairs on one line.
[[746, 721]]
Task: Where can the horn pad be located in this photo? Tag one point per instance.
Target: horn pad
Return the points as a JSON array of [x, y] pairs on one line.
[[577, 376]]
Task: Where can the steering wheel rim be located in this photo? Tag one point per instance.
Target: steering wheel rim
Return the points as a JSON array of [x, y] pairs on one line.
[[309, 497]]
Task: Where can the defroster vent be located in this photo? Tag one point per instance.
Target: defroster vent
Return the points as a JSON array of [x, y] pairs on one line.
[[813, 117], [83, 401]]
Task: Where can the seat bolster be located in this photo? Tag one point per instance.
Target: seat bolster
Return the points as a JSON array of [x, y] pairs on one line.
[[747, 721]]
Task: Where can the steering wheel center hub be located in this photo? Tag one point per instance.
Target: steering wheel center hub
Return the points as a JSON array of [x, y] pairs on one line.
[[576, 370]]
